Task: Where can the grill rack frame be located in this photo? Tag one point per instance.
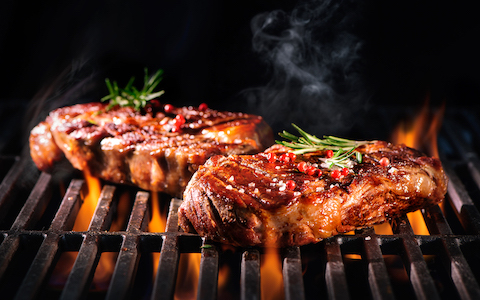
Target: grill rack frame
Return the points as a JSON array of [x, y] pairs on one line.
[[442, 243]]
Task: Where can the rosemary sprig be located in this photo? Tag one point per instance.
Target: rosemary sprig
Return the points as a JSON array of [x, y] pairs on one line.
[[341, 158], [305, 143], [130, 95]]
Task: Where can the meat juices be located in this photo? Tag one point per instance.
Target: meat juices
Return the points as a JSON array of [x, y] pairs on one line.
[[253, 200], [157, 149]]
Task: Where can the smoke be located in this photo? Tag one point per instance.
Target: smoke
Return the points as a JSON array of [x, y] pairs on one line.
[[314, 56]]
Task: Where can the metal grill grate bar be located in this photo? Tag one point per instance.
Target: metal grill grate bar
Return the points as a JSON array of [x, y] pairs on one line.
[[208, 277], [414, 262], [377, 271], [78, 281], [127, 262], [250, 275], [164, 286], [292, 274], [452, 257], [336, 280], [48, 251], [466, 211], [29, 214], [7, 186]]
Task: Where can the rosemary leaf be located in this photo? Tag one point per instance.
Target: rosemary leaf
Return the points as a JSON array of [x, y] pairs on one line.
[[130, 96], [305, 143]]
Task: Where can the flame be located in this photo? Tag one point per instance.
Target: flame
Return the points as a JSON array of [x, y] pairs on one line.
[[223, 277], [187, 279], [106, 263], [157, 224], [384, 229], [90, 201], [420, 133], [271, 279]]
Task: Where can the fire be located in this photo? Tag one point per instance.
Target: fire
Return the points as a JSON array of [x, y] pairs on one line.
[[420, 133], [384, 228], [106, 263], [157, 224], [90, 201], [271, 282], [187, 279]]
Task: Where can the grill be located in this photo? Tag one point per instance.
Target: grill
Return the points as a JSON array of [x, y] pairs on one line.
[[37, 218]]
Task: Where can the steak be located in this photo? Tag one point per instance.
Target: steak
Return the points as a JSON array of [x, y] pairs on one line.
[[254, 200], [157, 149]]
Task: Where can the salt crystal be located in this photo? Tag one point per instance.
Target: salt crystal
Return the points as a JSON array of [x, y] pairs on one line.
[[229, 187], [282, 188], [392, 170]]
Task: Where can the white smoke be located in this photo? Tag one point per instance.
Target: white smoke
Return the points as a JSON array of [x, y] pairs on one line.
[[313, 54]]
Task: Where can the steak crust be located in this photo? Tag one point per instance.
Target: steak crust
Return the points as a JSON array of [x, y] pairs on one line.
[[245, 200], [147, 148]]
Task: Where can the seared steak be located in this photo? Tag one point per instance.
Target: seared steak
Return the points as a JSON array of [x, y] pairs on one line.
[[157, 149], [249, 200]]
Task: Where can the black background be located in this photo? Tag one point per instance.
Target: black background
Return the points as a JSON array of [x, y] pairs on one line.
[[52, 48]]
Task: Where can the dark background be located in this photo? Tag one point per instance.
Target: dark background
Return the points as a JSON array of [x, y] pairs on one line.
[[55, 53]]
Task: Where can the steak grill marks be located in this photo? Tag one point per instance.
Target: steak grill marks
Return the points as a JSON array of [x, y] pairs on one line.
[[36, 229]]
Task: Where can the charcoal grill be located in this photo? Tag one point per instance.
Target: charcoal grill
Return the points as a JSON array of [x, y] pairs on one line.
[[37, 219]]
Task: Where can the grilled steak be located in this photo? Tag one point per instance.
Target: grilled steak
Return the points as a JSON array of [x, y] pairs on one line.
[[157, 149], [249, 200]]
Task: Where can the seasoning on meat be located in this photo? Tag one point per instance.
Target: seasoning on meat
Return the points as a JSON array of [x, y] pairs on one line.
[[293, 202], [158, 148]]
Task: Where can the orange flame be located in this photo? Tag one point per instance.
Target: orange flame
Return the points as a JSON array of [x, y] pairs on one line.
[[106, 263], [187, 279], [223, 277], [384, 229], [420, 133], [271, 279], [157, 224], [90, 201]]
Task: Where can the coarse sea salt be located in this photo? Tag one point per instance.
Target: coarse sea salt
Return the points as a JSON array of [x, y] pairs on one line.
[[229, 187], [392, 170]]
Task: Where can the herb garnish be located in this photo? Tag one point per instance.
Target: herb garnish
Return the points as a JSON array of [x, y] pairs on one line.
[[344, 148], [131, 96]]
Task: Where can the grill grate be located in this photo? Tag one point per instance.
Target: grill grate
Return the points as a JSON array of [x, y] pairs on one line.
[[36, 229]]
